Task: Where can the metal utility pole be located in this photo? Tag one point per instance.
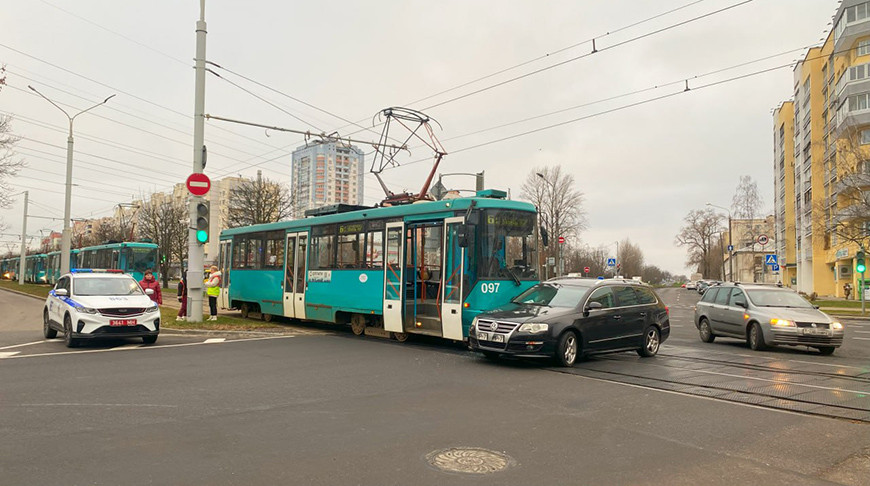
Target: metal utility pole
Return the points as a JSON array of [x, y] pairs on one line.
[[730, 245], [195, 250], [65, 242], [23, 255]]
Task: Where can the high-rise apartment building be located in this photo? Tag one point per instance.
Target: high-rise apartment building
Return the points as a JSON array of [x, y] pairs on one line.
[[326, 173], [820, 222]]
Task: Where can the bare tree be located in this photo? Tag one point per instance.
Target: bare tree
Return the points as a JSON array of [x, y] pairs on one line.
[[257, 201], [849, 216], [630, 258], [106, 230], [165, 222], [576, 258], [747, 202], [559, 203], [655, 275], [698, 237], [9, 165]]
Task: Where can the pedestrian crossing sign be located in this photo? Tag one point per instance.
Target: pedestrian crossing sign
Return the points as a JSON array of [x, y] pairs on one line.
[[611, 262], [770, 259]]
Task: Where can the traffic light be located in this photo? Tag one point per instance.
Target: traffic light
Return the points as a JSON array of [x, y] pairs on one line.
[[202, 223], [860, 267]]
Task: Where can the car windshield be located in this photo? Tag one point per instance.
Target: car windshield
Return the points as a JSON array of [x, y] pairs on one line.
[[552, 295], [106, 286], [777, 298]]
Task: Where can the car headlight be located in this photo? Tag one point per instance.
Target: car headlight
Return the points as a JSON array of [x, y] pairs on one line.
[[151, 309], [534, 327], [782, 323], [87, 310], [836, 325]]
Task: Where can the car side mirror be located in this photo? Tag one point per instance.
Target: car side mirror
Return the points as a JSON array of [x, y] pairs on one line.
[[740, 303], [149, 291], [593, 306], [815, 307], [61, 292]]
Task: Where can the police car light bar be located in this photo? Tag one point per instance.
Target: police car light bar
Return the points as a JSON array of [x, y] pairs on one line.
[[95, 270]]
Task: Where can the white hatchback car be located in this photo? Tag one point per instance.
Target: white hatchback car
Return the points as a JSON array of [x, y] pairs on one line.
[[88, 304]]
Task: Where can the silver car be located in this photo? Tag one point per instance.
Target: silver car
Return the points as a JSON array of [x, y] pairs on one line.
[[765, 315]]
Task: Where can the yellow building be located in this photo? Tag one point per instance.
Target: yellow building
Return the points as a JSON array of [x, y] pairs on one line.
[[817, 212]]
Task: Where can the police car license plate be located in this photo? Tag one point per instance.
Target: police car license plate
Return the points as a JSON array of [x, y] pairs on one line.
[[122, 322]]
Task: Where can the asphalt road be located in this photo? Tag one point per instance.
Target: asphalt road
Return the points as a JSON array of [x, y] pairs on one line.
[[329, 408]]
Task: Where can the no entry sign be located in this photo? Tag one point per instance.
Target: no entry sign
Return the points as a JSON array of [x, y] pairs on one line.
[[198, 184]]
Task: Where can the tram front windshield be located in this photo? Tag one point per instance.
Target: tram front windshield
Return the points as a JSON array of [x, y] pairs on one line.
[[507, 248], [141, 259]]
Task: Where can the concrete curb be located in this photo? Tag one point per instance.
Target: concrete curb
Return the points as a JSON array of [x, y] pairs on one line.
[[23, 293]]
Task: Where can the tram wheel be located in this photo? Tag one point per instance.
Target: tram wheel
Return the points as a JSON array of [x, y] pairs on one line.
[[245, 310], [358, 324], [400, 336], [267, 317]]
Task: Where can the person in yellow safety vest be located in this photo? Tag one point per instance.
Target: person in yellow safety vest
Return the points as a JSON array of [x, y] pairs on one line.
[[213, 290]]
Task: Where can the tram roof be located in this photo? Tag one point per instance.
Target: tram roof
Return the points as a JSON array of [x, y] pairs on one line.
[[122, 244], [415, 209]]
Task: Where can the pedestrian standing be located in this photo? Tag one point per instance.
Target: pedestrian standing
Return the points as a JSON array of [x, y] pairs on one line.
[[182, 297], [213, 290], [149, 282]]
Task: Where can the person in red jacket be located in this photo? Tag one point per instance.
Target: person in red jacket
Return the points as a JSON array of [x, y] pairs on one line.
[[149, 282]]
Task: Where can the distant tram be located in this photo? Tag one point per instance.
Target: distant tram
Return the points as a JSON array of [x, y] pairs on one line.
[[131, 257], [423, 268]]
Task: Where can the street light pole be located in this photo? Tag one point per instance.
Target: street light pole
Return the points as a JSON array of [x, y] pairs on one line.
[[65, 238], [195, 250], [730, 245]]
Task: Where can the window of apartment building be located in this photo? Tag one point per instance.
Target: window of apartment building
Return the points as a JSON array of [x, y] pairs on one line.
[[863, 47], [865, 136], [857, 13], [859, 102]]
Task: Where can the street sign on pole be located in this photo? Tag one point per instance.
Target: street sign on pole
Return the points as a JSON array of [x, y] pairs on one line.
[[611, 262], [561, 239], [774, 267], [762, 240], [770, 259], [730, 247], [585, 269], [198, 184]]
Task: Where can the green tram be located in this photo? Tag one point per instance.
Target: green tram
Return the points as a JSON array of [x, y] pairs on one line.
[[423, 268], [131, 257]]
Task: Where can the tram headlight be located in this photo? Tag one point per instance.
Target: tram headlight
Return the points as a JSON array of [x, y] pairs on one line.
[[534, 327]]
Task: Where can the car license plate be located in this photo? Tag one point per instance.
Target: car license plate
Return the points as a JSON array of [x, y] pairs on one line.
[[498, 338], [482, 336], [122, 322], [816, 332]]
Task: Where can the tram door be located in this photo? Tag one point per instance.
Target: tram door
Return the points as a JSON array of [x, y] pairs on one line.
[[451, 280], [424, 259], [224, 258], [393, 278], [295, 265]]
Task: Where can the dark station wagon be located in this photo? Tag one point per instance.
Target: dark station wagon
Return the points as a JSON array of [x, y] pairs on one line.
[[566, 318]]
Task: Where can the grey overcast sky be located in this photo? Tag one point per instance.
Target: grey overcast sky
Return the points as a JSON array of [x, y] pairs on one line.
[[641, 168]]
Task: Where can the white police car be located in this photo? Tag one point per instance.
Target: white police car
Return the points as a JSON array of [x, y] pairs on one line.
[[91, 304]]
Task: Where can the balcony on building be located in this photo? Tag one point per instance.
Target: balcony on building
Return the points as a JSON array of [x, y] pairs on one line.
[[851, 22]]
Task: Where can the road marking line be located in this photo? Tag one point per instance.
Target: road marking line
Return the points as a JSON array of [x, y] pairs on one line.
[[214, 340], [823, 364], [863, 339], [9, 354], [25, 344], [863, 332], [91, 351]]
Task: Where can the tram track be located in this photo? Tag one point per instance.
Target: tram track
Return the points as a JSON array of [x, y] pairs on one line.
[[770, 392]]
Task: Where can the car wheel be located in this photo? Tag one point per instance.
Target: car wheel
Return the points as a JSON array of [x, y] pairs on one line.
[[704, 330], [246, 310], [651, 342], [567, 350], [358, 324], [491, 355], [47, 331], [70, 341], [756, 338], [149, 339], [400, 336], [826, 350]]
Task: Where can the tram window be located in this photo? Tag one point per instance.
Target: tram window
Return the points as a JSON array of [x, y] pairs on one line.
[[322, 252], [274, 257], [255, 251], [375, 249], [240, 252], [348, 251]]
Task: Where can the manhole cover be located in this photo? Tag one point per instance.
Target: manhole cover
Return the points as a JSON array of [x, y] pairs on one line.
[[471, 460]]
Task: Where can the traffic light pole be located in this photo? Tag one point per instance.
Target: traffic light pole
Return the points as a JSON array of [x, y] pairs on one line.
[[195, 251]]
